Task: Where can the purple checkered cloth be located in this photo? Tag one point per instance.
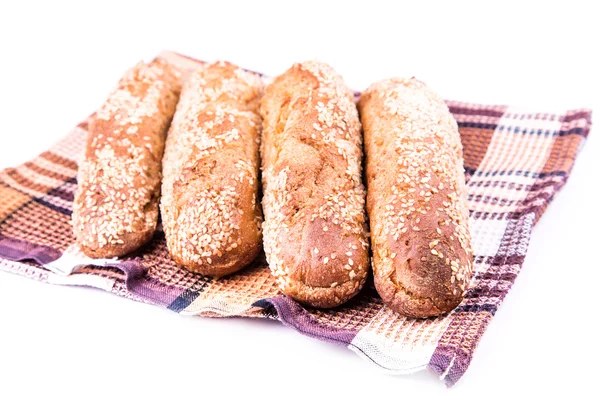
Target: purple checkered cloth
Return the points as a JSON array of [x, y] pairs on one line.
[[515, 160]]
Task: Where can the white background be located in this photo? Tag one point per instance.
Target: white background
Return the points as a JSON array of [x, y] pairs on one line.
[[57, 64]]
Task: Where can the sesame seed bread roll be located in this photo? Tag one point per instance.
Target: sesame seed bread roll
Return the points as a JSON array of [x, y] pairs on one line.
[[209, 206], [417, 207], [315, 235], [115, 210]]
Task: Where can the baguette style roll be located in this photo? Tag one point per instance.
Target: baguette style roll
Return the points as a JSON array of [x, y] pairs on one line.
[[417, 206], [115, 210], [209, 206], [315, 235]]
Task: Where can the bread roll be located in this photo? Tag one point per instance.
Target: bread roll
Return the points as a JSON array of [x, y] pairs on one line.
[[315, 235], [417, 207], [209, 207], [118, 183]]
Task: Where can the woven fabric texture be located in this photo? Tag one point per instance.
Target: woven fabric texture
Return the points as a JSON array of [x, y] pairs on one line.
[[515, 161]]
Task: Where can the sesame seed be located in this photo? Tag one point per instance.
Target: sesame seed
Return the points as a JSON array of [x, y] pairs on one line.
[[427, 177], [105, 209], [213, 114], [334, 127]]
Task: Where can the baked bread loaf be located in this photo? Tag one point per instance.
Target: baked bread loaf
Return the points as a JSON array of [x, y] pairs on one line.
[[315, 235], [209, 206], [417, 206], [115, 210]]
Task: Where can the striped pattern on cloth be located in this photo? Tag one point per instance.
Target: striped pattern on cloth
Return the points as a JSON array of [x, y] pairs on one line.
[[515, 160]]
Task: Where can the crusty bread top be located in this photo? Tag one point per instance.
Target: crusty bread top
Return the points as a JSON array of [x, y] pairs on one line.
[[216, 118], [314, 229], [411, 124], [119, 177]]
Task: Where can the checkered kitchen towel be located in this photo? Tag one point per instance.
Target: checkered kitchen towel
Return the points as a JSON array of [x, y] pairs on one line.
[[515, 162]]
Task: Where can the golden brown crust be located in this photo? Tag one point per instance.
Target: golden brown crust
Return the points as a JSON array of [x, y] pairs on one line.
[[422, 257], [116, 203], [209, 205], [314, 229]]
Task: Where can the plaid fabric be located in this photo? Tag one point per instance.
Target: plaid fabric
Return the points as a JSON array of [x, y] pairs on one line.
[[515, 160]]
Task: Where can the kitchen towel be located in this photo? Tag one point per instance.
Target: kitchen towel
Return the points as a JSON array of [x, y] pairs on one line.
[[515, 162]]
